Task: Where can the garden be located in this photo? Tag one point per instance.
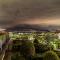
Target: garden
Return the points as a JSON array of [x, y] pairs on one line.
[[35, 46]]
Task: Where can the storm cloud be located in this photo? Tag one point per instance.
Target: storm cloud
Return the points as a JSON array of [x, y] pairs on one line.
[[14, 12]]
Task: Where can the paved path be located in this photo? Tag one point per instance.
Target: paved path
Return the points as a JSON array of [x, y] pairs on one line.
[[2, 55], [5, 54]]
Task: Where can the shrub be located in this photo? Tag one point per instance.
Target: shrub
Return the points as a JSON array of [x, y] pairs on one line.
[[17, 56], [27, 48], [57, 52], [41, 48], [16, 45], [38, 57], [50, 55]]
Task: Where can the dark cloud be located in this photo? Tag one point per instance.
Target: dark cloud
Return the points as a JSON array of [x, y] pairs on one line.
[[11, 10], [32, 8], [38, 28]]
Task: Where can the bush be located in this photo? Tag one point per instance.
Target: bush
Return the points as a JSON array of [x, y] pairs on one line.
[[16, 45], [57, 52], [50, 55], [37, 57], [41, 48], [27, 48], [17, 56]]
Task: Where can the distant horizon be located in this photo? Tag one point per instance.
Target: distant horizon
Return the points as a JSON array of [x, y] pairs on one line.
[[28, 27]]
